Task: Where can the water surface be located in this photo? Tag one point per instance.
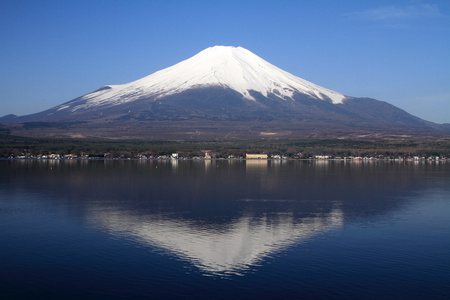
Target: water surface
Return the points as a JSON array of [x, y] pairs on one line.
[[222, 229]]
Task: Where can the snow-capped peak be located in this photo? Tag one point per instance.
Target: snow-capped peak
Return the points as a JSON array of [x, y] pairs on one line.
[[232, 67]]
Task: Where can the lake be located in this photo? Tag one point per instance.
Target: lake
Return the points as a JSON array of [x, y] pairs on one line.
[[224, 229]]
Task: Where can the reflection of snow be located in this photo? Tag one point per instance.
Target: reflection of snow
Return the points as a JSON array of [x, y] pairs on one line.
[[218, 250]]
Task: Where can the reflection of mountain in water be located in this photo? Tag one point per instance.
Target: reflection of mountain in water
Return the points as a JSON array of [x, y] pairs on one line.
[[216, 249]]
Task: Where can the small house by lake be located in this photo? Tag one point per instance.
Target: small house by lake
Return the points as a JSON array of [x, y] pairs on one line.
[[255, 156]]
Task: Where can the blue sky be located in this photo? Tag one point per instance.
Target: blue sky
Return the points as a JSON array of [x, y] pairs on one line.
[[396, 51]]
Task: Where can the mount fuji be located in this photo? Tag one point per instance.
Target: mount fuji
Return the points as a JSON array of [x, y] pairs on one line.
[[221, 92]]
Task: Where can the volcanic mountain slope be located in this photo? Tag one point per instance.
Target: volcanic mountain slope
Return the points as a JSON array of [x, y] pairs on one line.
[[232, 86]]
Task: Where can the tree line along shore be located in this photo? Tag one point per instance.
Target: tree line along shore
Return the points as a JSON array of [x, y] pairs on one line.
[[25, 147]]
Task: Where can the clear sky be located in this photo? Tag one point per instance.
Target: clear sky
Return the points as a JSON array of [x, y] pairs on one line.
[[396, 51]]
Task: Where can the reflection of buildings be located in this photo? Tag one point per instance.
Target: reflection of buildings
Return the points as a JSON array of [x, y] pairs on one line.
[[256, 164], [174, 164], [218, 249]]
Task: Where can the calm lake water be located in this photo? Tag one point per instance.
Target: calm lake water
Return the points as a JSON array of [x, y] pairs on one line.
[[224, 230]]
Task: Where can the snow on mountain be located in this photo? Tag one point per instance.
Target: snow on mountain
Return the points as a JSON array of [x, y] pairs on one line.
[[231, 67]]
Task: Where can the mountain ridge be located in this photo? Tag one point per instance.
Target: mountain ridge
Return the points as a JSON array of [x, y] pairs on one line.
[[229, 84]]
